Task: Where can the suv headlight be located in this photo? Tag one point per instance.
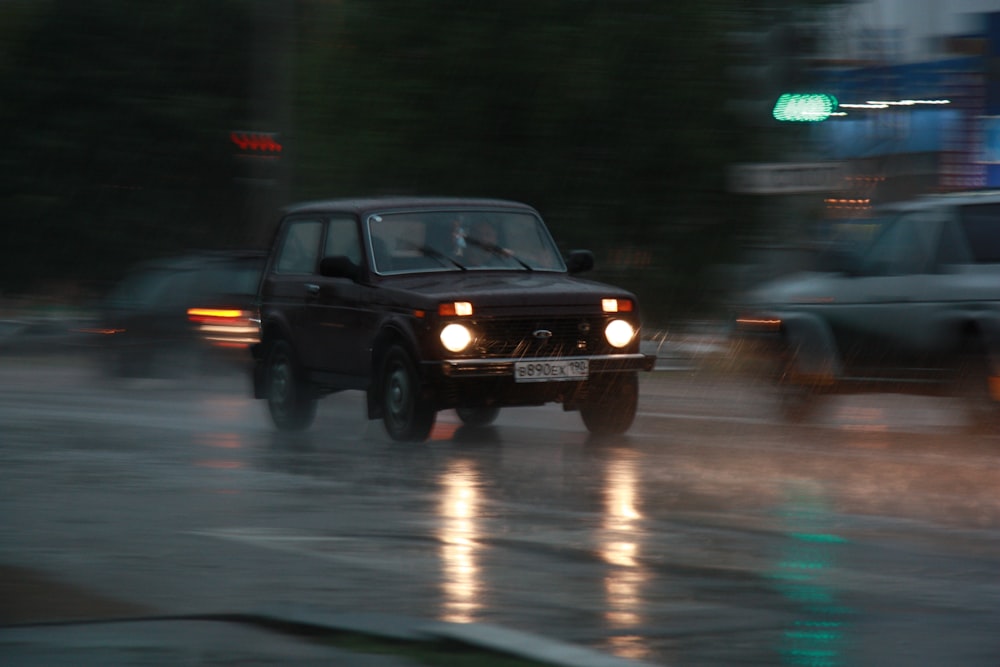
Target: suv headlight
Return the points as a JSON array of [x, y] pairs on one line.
[[619, 333], [456, 337]]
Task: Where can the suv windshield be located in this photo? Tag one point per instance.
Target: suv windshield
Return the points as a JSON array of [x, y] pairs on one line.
[[457, 240]]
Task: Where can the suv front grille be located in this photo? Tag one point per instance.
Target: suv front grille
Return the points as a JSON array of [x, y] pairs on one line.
[[528, 337]]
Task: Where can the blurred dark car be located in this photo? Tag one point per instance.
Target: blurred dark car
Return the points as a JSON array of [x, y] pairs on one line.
[[432, 304], [173, 316], [914, 308]]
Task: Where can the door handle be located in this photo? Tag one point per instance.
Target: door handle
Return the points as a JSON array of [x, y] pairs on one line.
[[312, 289]]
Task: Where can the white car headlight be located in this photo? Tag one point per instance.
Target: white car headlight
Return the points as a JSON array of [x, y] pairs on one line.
[[619, 333], [456, 337]]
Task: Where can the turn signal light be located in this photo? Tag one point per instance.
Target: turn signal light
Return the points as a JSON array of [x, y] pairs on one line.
[[455, 309], [616, 305]]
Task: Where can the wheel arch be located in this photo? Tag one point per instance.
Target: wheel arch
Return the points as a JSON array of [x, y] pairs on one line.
[[979, 334], [812, 345], [391, 333], [271, 329], [970, 334]]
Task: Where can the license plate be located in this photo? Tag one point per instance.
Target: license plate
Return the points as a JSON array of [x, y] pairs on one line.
[[551, 370]]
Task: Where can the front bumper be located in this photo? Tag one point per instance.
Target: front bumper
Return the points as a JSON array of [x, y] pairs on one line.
[[491, 382], [486, 368], [760, 334]]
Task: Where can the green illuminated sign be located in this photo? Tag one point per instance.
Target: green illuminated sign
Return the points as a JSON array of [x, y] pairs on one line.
[[804, 107]]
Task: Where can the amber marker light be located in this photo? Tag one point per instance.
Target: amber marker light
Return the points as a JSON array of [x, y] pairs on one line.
[[994, 386], [770, 324], [616, 305], [455, 309]]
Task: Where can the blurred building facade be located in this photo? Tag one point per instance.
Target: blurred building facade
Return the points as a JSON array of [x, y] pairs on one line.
[[918, 108], [918, 90]]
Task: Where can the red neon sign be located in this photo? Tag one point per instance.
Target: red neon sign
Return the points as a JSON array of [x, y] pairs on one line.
[[256, 142]]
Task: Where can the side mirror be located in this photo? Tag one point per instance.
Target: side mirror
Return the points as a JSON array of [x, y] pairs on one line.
[[339, 266], [579, 261]]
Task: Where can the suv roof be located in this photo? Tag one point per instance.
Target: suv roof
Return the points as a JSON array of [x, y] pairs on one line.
[[197, 258], [401, 202], [948, 199]]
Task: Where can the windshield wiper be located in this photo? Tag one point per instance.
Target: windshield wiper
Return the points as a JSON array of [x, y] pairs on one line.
[[494, 249], [434, 253]]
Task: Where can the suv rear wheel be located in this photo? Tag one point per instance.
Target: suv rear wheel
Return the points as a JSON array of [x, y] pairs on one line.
[[291, 407], [611, 403], [406, 413], [973, 379]]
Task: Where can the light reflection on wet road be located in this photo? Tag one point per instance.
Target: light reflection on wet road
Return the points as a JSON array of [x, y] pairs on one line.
[[459, 540], [710, 535]]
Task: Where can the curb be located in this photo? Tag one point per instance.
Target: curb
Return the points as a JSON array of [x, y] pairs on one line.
[[480, 635]]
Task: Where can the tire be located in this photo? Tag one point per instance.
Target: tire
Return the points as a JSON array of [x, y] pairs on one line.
[[407, 414], [477, 417], [611, 403], [797, 403], [972, 386], [288, 400]]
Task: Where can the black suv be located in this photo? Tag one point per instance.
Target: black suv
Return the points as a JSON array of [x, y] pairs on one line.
[[431, 304], [910, 305]]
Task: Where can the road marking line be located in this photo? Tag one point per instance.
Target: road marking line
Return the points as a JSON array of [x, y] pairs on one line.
[[296, 544], [707, 418]]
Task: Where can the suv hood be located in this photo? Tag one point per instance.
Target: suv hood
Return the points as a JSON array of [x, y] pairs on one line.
[[507, 288]]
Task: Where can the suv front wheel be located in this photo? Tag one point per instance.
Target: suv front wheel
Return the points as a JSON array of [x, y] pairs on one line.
[[291, 407], [611, 403], [407, 414], [478, 417]]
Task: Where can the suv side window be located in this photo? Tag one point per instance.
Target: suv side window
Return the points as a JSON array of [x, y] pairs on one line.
[[981, 224], [905, 247], [953, 247], [300, 247], [342, 239]]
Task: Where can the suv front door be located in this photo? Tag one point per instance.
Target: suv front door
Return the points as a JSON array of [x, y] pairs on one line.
[[290, 280], [881, 318], [333, 312]]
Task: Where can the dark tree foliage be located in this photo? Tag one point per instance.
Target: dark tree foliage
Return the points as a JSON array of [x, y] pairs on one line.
[[608, 115], [117, 115]]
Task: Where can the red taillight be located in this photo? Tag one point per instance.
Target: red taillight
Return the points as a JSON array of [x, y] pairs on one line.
[[225, 327]]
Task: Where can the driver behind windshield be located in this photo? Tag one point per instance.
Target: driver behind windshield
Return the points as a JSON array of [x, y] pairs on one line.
[[482, 245]]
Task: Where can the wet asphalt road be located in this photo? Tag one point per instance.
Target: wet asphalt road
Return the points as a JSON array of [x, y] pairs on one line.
[[711, 535]]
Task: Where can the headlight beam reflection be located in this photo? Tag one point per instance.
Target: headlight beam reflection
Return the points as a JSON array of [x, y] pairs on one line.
[[459, 513], [621, 548]]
